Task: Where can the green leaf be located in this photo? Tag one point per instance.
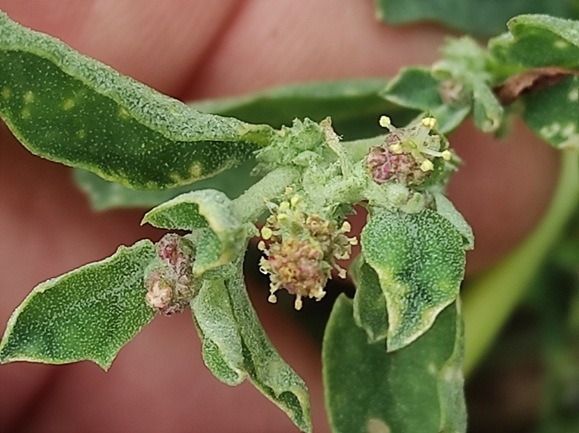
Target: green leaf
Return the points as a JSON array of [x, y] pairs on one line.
[[445, 208], [419, 259], [480, 17], [552, 114], [222, 238], [86, 314], [487, 110], [370, 311], [416, 389], [353, 105], [235, 346], [417, 89], [104, 194], [537, 40], [74, 110], [451, 88]]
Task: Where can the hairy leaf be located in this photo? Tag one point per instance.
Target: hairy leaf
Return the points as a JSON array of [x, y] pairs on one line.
[[416, 389], [369, 301], [74, 110], [235, 346], [222, 235], [353, 105], [479, 17], [86, 314], [419, 259]]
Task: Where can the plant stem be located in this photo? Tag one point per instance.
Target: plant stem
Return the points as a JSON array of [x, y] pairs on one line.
[[251, 204], [489, 300]]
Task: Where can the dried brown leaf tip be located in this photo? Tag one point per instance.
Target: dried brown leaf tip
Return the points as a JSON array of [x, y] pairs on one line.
[[529, 81]]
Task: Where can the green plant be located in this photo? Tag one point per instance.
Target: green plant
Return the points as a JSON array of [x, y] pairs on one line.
[[405, 320]]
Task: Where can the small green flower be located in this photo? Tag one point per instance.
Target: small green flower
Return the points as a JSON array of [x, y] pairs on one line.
[[301, 250]]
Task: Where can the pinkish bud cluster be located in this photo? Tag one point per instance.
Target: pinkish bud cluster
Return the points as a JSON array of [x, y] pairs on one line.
[[301, 251], [170, 284], [385, 165], [408, 154]]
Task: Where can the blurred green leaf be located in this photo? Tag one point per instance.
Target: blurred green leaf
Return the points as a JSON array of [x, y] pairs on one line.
[[415, 389], [222, 235], [104, 194], [353, 105], [420, 260], [553, 114], [74, 110], [557, 301], [534, 41], [416, 88], [453, 87], [235, 346], [479, 17], [86, 314]]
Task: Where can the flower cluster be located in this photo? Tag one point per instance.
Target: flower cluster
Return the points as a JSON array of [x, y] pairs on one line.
[[409, 154], [301, 250], [170, 285]]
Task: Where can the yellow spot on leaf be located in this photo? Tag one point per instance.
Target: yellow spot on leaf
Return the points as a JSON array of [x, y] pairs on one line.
[[375, 425], [550, 130], [569, 130], [6, 92], [124, 114], [196, 170], [25, 113], [28, 97], [574, 95], [81, 133], [68, 104]]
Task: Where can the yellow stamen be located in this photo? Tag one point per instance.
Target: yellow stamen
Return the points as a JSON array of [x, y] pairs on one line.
[[346, 227], [396, 148], [429, 122], [446, 155], [266, 233], [426, 165], [272, 298], [385, 122]]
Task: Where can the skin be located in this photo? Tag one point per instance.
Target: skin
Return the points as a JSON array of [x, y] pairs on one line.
[[196, 49]]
